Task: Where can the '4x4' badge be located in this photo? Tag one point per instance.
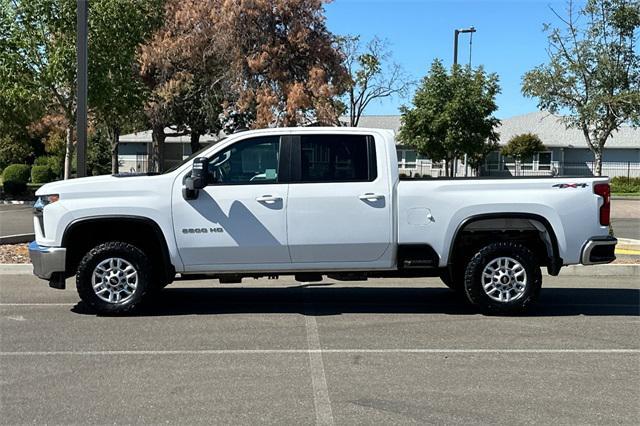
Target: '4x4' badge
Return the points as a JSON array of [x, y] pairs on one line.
[[570, 185]]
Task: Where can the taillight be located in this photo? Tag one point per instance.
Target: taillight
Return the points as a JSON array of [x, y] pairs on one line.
[[603, 190]]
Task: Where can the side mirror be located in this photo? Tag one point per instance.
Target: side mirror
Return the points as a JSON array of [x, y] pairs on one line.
[[197, 180]]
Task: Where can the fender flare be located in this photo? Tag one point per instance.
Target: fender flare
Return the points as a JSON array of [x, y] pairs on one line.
[[164, 248], [555, 261]]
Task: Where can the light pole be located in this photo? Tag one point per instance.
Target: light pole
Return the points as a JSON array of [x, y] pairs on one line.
[[455, 41], [456, 33], [81, 69]]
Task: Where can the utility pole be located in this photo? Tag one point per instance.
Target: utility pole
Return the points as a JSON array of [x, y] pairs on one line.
[[82, 83], [456, 33]]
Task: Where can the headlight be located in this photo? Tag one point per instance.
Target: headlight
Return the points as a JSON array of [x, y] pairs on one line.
[[43, 200]]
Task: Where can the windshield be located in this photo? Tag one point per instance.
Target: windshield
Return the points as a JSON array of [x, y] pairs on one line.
[[192, 156]]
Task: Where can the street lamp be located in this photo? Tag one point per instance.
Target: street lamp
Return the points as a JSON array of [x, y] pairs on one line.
[[455, 62], [455, 41]]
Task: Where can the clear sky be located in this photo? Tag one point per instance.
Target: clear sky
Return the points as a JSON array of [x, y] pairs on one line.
[[509, 39]]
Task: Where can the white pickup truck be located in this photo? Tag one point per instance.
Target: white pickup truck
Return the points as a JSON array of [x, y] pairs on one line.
[[311, 202]]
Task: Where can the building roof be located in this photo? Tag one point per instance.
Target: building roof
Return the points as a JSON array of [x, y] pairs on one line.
[[145, 137], [553, 132], [550, 128]]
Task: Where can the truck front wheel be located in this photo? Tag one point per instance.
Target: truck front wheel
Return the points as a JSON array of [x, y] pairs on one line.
[[503, 277], [113, 277]]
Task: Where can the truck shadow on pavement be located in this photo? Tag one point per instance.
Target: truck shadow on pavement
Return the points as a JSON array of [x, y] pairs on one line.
[[322, 299]]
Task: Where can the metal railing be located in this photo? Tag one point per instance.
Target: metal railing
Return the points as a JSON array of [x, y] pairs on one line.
[[628, 169]]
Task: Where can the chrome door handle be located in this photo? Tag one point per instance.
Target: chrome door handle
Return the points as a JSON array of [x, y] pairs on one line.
[[269, 199], [370, 196]]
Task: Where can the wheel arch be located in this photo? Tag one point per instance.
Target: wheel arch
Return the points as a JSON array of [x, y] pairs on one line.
[[115, 226], [545, 231]]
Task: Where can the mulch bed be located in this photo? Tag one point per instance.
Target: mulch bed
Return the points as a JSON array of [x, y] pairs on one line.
[[14, 253]]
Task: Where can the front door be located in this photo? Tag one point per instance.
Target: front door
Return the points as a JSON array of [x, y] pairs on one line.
[[339, 207], [238, 222]]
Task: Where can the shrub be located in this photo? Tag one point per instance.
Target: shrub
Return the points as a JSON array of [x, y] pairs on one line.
[[625, 185], [15, 178], [41, 174], [55, 164]]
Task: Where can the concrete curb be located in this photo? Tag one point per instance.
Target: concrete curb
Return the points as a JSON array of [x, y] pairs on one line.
[[16, 269], [15, 202], [625, 197], [618, 270], [17, 239], [628, 244]]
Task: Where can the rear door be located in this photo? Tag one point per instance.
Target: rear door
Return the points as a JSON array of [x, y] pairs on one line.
[[339, 206]]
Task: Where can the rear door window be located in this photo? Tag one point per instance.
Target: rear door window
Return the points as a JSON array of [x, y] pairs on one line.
[[337, 158]]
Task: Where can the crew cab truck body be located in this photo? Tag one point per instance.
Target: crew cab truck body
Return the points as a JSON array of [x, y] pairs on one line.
[[311, 202]]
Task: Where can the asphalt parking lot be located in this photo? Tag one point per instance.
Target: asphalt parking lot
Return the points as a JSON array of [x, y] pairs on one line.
[[383, 351]]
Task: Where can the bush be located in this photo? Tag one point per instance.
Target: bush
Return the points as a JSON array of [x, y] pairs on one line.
[[623, 185], [53, 162], [15, 178], [41, 174]]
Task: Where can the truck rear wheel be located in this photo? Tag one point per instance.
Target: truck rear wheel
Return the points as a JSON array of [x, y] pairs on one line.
[[503, 277], [113, 277]]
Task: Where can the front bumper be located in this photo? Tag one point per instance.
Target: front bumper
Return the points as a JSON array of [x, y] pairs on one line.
[[599, 250], [47, 260]]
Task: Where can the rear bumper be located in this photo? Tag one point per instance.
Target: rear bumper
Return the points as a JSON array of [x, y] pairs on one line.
[[46, 260], [599, 250]]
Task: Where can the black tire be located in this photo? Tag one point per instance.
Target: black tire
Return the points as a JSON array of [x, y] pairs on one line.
[[473, 279], [131, 254]]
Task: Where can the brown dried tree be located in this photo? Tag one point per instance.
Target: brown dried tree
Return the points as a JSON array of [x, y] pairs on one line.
[[288, 69]]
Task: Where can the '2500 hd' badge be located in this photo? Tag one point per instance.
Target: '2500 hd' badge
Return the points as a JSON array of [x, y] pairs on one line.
[[201, 230]]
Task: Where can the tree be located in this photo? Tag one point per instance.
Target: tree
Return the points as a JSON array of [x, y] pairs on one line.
[[372, 75], [99, 154], [14, 151], [39, 58], [117, 94], [452, 115], [185, 66], [593, 72], [522, 147], [288, 68]]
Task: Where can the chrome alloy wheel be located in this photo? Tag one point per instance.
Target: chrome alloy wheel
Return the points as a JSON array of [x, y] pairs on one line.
[[114, 280], [504, 279]]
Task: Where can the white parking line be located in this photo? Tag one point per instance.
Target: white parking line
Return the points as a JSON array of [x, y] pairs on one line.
[[324, 351], [37, 304], [324, 414]]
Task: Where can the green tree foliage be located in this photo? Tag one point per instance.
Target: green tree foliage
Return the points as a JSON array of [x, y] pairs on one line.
[[99, 154], [593, 72], [14, 151], [38, 61], [522, 147], [452, 114], [39, 58], [117, 94]]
